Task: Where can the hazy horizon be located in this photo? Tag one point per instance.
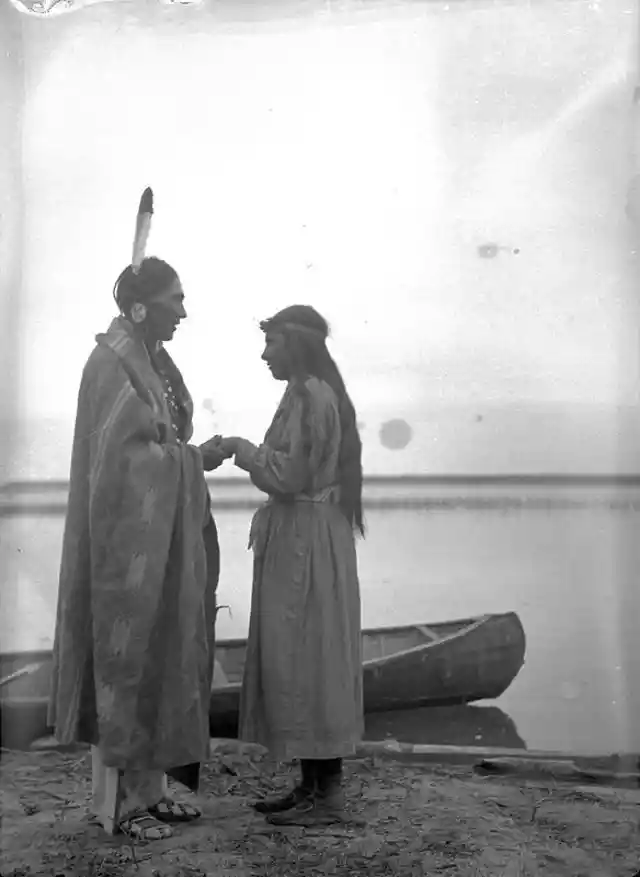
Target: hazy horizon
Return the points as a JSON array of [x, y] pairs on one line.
[[489, 439]]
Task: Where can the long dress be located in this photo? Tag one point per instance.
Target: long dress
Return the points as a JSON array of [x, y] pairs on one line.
[[134, 639], [302, 686]]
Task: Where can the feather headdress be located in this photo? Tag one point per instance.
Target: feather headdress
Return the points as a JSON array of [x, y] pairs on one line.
[[143, 227]]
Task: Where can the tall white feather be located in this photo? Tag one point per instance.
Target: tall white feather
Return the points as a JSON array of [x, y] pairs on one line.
[[143, 227]]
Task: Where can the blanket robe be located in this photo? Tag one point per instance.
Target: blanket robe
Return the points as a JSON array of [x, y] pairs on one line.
[[302, 686], [133, 652]]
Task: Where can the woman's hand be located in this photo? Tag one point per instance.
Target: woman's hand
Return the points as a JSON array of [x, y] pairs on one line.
[[213, 454], [228, 445]]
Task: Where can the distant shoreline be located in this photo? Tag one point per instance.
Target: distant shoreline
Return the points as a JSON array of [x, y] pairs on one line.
[[48, 498], [543, 479]]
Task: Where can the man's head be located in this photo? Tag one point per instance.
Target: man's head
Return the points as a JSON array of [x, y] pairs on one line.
[[152, 299], [294, 341]]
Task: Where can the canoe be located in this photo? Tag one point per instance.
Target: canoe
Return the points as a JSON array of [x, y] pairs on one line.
[[418, 665]]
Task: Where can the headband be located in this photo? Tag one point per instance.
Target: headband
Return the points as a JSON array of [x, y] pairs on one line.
[[276, 325]]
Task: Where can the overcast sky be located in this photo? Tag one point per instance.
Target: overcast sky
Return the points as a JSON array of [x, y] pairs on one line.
[[355, 162]]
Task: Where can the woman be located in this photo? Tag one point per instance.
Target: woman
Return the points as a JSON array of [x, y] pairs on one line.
[[302, 686], [133, 649]]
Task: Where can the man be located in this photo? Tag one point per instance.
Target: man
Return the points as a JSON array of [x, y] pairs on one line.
[[134, 638], [302, 686]]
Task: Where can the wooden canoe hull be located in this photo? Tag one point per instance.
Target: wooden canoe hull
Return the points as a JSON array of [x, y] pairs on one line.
[[476, 659], [479, 662], [404, 668]]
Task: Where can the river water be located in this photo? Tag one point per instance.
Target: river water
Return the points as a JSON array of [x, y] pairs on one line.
[[566, 559]]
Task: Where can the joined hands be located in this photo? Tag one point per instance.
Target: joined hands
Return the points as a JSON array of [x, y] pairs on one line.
[[216, 450]]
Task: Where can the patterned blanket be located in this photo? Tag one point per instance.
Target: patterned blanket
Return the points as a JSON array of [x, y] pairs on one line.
[[133, 652]]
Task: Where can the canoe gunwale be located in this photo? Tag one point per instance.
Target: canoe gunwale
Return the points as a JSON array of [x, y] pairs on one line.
[[465, 625], [428, 644]]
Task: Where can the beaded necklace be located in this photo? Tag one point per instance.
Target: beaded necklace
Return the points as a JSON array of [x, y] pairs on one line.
[[171, 397], [175, 409]]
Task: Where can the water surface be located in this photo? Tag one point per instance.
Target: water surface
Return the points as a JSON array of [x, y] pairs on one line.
[[566, 560]]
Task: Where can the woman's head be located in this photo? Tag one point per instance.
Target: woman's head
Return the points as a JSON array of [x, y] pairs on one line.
[[295, 342], [152, 299], [295, 347]]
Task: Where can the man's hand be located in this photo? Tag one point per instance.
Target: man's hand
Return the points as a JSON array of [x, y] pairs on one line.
[[213, 454], [228, 445]]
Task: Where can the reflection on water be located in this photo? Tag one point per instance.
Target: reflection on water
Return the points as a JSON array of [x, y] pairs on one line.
[[450, 726], [569, 570]]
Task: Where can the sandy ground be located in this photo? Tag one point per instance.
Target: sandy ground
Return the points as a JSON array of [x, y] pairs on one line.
[[408, 820]]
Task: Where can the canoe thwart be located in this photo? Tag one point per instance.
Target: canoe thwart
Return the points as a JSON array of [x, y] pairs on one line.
[[429, 632]]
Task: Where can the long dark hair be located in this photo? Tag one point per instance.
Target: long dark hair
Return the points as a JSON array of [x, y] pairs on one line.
[[310, 357], [154, 277]]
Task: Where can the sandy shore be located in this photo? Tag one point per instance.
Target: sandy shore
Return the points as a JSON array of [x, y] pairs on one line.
[[407, 820]]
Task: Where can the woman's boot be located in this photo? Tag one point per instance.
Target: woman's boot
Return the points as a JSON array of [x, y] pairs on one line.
[[299, 795], [329, 795], [325, 807]]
